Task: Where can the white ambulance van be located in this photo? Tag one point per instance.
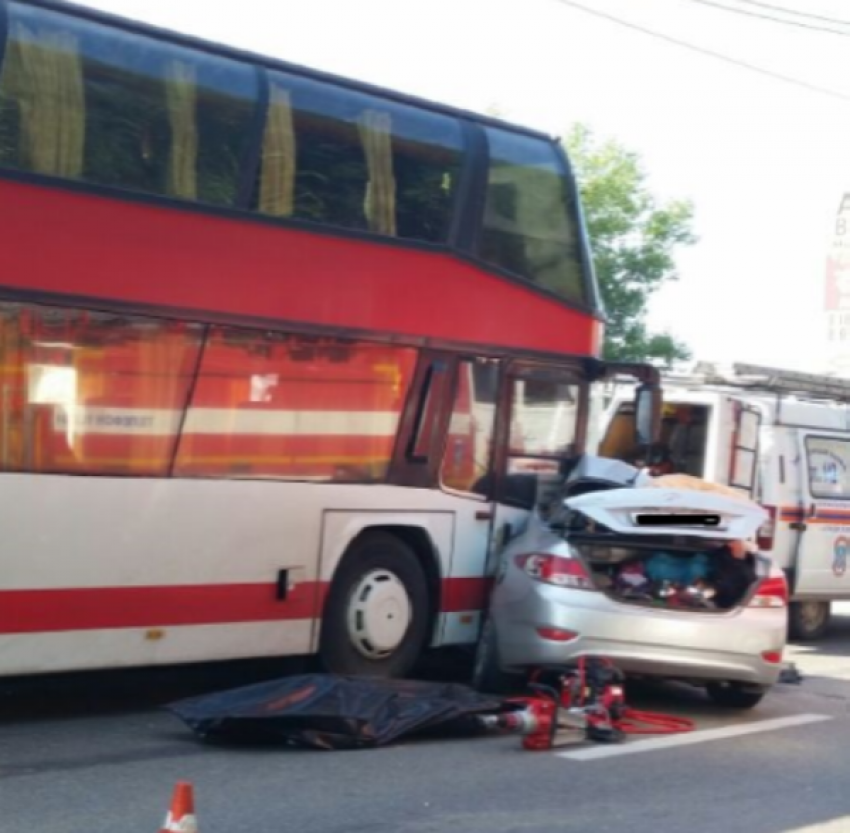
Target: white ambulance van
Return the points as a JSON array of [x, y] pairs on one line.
[[779, 436]]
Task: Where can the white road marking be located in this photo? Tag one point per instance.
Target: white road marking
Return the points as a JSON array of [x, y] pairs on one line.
[[841, 825], [687, 738]]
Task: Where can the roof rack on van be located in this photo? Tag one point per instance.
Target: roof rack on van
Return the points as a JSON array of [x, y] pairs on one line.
[[772, 380], [811, 386]]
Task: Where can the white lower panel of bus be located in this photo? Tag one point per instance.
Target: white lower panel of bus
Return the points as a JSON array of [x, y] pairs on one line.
[[35, 653]]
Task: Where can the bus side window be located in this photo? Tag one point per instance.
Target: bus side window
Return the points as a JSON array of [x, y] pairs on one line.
[[83, 101], [528, 226], [342, 158], [469, 440]]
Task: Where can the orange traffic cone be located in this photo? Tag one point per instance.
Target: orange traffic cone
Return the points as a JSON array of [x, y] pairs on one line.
[[181, 815]]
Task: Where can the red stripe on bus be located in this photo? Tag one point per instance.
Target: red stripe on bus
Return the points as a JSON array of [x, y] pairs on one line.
[[96, 608], [75, 244], [93, 608]]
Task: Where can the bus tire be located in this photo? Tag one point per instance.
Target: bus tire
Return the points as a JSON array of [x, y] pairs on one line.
[[808, 621], [377, 614]]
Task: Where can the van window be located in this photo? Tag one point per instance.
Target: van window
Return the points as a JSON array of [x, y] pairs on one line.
[[828, 460]]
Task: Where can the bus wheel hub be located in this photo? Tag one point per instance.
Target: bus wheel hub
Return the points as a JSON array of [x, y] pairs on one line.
[[378, 614]]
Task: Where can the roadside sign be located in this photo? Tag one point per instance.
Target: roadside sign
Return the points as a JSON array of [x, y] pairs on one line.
[[837, 299]]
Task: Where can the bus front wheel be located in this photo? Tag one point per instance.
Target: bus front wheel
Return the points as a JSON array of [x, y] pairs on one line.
[[377, 612]]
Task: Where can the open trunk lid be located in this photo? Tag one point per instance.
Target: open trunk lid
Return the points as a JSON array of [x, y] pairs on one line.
[[674, 512], [662, 547]]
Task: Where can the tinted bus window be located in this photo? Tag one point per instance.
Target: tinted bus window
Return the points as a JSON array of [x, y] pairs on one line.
[[92, 393], [290, 407], [434, 392], [83, 101], [529, 223], [469, 444], [544, 425], [343, 158]]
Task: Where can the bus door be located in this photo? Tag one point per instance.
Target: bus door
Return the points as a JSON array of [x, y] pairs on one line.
[[467, 471], [447, 446]]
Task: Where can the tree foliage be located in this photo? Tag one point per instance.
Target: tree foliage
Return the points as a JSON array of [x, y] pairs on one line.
[[633, 239]]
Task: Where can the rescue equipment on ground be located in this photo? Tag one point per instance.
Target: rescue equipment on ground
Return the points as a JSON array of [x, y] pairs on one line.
[[586, 703]]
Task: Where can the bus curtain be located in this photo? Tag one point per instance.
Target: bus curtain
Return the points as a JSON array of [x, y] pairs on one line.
[[277, 179], [380, 205], [182, 95], [322, 711]]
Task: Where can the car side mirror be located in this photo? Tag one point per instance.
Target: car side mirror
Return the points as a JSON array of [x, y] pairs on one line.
[[647, 414]]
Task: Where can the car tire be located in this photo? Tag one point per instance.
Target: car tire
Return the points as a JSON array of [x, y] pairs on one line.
[[487, 675], [808, 621], [377, 615], [735, 696]]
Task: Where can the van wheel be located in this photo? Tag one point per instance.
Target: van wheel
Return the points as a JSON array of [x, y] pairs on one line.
[[808, 621], [735, 695], [487, 676], [378, 610]]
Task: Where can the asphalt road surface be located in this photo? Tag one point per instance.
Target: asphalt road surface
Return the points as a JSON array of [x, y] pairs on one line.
[[99, 756]]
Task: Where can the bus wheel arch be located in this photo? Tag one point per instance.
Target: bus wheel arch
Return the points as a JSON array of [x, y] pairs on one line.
[[382, 604]]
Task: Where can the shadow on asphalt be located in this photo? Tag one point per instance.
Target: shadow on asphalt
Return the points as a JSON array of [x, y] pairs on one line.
[[129, 690], [138, 690]]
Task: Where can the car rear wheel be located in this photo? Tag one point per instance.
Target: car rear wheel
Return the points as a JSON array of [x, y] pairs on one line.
[[377, 613], [808, 621], [735, 695], [487, 676]]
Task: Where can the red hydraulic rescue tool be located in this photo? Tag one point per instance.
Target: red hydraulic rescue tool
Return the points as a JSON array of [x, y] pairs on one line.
[[588, 699]]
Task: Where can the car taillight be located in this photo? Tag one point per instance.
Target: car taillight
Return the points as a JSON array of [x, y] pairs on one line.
[[557, 634], [557, 570], [766, 532], [772, 592]]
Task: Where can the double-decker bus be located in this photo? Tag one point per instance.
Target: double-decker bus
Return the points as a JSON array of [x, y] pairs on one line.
[[283, 358]]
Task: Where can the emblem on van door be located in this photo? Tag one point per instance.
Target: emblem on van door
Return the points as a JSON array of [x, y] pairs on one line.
[[839, 560]]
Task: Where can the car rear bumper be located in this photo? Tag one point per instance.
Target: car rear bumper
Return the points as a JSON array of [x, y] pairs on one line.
[[691, 646]]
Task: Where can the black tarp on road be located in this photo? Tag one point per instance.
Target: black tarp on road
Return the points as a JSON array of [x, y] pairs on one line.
[[329, 712]]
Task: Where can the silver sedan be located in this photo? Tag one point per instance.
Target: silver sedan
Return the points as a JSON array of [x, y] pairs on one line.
[[665, 599]]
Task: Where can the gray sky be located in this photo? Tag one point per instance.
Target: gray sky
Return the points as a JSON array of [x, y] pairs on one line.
[[764, 162]]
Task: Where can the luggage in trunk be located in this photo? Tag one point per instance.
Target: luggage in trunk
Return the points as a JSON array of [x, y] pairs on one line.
[[703, 576]]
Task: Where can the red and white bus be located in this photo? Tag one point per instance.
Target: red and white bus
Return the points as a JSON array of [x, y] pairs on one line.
[[274, 349]]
